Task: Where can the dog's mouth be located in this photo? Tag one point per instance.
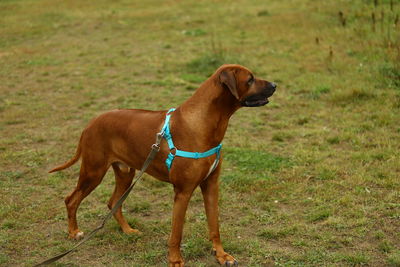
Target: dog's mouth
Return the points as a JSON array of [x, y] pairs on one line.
[[255, 103], [257, 100]]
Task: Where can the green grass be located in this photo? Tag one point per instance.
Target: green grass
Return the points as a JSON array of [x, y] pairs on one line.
[[312, 179]]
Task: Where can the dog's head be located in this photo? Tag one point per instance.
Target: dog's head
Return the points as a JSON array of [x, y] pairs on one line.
[[248, 90]]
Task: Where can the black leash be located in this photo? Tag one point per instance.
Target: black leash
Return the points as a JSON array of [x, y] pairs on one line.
[[154, 150]]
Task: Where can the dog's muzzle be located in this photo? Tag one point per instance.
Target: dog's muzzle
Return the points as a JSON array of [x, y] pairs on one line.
[[260, 99]]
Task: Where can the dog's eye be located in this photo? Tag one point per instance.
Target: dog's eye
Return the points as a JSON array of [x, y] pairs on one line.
[[251, 80]]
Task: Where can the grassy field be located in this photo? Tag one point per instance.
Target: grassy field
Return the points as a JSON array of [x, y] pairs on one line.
[[312, 179]]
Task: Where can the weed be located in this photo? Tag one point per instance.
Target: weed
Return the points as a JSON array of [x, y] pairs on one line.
[[394, 259], [333, 140], [277, 234], [140, 207], [303, 120], [281, 136], [3, 258], [319, 214], [195, 32], [195, 246], [213, 58], [385, 247], [318, 91], [357, 259], [379, 235], [326, 174], [12, 174], [206, 64], [353, 96], [263, 13], [250, 161], [391, 74], [193, 78], [45, 61], [8, 224]]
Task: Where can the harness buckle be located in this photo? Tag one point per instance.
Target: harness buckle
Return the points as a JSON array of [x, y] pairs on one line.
[[159, 137], [155, 147]]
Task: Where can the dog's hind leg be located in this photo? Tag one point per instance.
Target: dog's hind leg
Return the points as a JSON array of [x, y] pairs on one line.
[[90, 176], [123, 179]]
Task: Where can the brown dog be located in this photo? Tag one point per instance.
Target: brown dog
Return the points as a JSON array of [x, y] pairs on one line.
[[122, 139]]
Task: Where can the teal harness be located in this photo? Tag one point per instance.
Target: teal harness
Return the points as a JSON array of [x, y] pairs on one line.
[[185, 154]]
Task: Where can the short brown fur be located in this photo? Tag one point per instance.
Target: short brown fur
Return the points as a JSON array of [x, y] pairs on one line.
[[122, 139]]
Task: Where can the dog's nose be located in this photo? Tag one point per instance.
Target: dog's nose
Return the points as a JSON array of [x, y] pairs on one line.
[[273, 85]]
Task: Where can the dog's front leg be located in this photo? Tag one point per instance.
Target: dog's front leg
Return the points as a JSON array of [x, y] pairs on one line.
[[181, 201], [209, 189]]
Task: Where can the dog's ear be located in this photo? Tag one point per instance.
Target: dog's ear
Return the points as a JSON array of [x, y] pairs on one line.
[[228, 79]]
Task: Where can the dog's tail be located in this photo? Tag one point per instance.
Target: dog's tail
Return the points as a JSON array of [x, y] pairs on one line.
[[70, 162]]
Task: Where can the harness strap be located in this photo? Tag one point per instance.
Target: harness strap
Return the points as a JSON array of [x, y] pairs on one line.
[[185, 154], [165, 129], [198, 155]]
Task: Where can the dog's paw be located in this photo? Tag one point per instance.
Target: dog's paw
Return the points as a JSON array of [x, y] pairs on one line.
[[231, 263], [225, 259], [78, 235], [130, 231], [175, 259], [176, 263]]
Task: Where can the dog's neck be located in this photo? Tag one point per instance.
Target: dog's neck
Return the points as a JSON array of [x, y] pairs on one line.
[[208, 111]]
